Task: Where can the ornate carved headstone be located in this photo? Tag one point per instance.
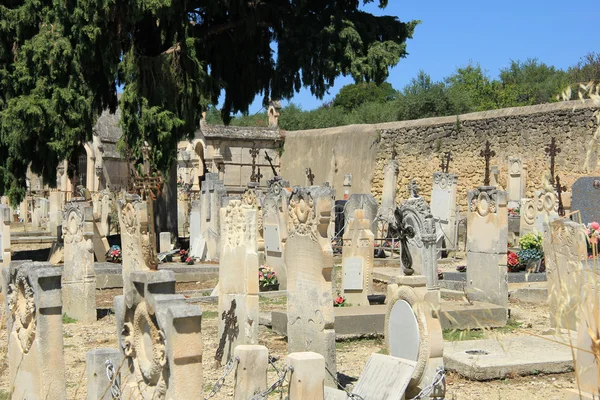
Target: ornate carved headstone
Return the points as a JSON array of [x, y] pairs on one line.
[[443, 208], [213, 191], [414, 220], [357, 260], [517, 181], [487, 236], [79, 276], [538, 211], [161, 339], [275, 216], [33, 312], [310, 325], [253, 197], [238, 279]]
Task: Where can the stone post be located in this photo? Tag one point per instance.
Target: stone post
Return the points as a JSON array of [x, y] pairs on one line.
[[98, 385], [251, 372], [307, 376], [357, 260], [487, 237], [5, 218], [79, 276], [238, 279], [390, 184], [443, 208], [33, 302], [197, 242], [517, 181]]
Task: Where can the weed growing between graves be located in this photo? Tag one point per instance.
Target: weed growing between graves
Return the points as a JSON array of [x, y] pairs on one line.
[[209, 314], [4, 395], [68, 320], [454, 335], [272, 301]]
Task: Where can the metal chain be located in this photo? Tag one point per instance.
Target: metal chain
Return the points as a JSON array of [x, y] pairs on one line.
[[277, 384], [438, 378], [115, 381], [221, 381], [348, 393]]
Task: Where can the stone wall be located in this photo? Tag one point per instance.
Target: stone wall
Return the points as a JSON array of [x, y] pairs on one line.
[[363, 150]]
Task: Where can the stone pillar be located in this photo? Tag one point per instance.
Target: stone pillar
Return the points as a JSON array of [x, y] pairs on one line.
[[160, 336], [197, 242], [310, 322], [79, 276], [517, 181], [487, 237], [565, 252], [307, 376], [251, 373], [5, 218], [55, 211], [238, 279], [33, 304], [390, 184], [275, 218], [443, 208], [98, 385], [357, 260]]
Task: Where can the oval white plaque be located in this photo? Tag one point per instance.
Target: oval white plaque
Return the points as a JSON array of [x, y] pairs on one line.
[[403, 331]]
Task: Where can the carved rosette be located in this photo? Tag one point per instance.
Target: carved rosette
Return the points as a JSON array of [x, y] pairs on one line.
[[483, 202], [301, 214], [73, 220], [528, 211], [21, 304], [515, 166], [442, 180], [235, 221]]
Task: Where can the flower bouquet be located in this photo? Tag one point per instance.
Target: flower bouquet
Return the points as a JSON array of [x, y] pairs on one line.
[[267, 278], [339, 301], [113, 255]]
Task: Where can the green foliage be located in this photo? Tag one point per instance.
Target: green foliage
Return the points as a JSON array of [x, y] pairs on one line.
[[352, 96], [61, 62], [532, 240], [423, 98], [68, 320], [453, 335], [531, 82], [586, 70]]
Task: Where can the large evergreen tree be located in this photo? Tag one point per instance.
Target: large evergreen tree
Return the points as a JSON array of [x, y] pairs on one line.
[[61, 62]]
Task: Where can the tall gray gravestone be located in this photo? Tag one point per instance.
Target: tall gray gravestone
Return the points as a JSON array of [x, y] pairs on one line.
[[586, 198]]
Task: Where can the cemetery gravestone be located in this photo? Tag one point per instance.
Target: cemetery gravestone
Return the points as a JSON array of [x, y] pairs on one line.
[[357, 260], [585, 198], [487, 236], [253, 197], [537, 212], [275, 215], [517, 181], [443, 208], [79, 276], [388, 199], [238, 279], [5, 253], [310, 325], [33, 308], [364, 202], [197, 242]]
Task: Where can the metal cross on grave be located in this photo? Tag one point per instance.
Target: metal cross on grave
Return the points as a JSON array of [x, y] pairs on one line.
[[559, 191], [147, 185], [445, 164], [394, 153], [258, 175], [552, 151], [270, 160], [487, 154], [254, 153], [413, 188], [310, 176], [403, 231]]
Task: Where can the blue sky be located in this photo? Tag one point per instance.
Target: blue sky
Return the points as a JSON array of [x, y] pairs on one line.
[[488, 32]]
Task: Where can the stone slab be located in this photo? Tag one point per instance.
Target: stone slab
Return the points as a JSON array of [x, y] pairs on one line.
[[32, 239], [364, 321], [522, 355], [513, 277], [384, 377], [586, 197]]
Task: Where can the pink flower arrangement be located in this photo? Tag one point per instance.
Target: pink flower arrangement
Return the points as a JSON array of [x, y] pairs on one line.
[[593, 232], [189, 261], [339, 301], [513, 259], [266, 276]]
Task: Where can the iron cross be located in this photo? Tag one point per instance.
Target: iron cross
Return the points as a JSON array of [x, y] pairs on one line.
[[487, 154], [270, 160], [259, 175], [552, 151], [254, 153], [445, 164], [310, 176], [413, 188], [403, 231], [559, 191]]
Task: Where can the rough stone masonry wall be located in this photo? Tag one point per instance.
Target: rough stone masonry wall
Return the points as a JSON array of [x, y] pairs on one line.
[[519, 131]]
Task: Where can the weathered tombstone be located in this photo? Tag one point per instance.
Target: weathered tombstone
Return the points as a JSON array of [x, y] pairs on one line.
[[251, 371], [161, 338], [197, 243], [413, 332], [310, 325], [487, 236], [357, 260], [443, 208], [517, 181], [416, 222], [183, 213], [585, 198], [238, 279], [252, 196], [79, 276], [36, 214], [164, 240], [96, 367], [384, 377], [275, 215], [5, 235], [364, 202], [565, 252], [211, 197], [307, 377], [55, 210], [536, 212], [390, 183], [33, 312]]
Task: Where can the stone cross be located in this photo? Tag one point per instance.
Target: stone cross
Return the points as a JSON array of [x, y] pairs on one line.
[[310, 176], [445, 164], [552, 151], [559, 190], [270, 160], [413, 188], [254, 152], [487, 154]]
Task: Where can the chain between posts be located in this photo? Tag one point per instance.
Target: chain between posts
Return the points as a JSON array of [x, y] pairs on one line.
[[221, 381], [115, 381], [439, 377], [348, 393]]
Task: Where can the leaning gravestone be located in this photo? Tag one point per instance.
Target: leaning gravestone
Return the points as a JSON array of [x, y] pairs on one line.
[[585, 198], [33, 310]]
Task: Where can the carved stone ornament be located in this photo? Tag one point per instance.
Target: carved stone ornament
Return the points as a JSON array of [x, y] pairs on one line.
[[301, 214], [235, 221], [515, 166], [441, 180], [22, 306], [73, 224], [483, 202]]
